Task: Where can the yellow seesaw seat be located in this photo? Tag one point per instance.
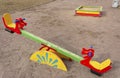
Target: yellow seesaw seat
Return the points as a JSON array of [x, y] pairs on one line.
[[102, 65], [8, 20]]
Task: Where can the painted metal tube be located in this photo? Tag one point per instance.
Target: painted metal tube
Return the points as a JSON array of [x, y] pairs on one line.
[[57, 48]]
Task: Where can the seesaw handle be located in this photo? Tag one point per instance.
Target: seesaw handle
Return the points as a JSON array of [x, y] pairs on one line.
[[19, 20]]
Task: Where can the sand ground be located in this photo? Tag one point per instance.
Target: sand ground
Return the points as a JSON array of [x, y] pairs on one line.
[[56, 23]]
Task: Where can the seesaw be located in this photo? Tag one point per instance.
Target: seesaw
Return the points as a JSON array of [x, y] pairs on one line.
[[52, 54]]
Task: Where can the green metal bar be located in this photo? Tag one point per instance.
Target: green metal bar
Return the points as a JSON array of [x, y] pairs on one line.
[[57, 48]]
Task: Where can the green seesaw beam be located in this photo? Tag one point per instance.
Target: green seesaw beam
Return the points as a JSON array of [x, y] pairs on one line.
[[57, 48]]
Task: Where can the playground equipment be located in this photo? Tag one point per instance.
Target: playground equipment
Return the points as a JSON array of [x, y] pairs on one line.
[[52, 54], [13, 27], [89, 11], [115, 3]]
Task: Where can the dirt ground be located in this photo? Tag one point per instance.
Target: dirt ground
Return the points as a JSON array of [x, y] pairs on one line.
[[12, 6], [55, 22]]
